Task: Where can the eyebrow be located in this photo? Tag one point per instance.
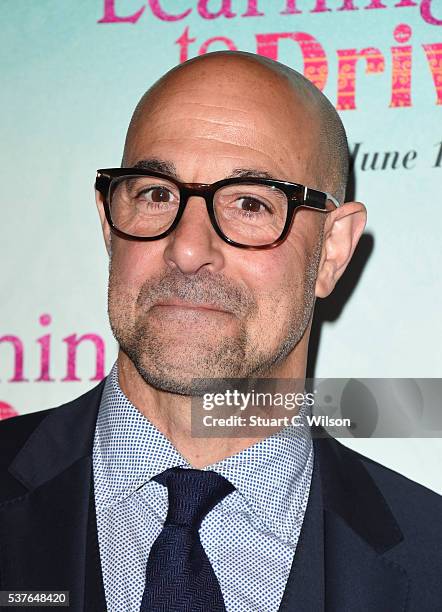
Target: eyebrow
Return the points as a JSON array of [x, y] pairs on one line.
[[157, 165], [250, 173], [167, 167]]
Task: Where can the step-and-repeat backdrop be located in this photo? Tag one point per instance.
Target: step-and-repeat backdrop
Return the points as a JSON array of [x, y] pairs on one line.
[[71, 75]]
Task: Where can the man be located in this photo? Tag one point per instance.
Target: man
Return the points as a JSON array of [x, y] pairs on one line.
[[111, 497]]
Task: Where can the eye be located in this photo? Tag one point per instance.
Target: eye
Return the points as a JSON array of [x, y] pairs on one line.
[[157, 194], [252, 205]]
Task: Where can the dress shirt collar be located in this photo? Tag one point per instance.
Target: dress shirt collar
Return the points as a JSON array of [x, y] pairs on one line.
[[272, 475]]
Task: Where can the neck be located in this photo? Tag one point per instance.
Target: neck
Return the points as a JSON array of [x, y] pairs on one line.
[[171, 413]]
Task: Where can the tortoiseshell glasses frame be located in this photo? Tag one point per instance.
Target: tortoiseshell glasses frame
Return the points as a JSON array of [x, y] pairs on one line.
[[297, 196]]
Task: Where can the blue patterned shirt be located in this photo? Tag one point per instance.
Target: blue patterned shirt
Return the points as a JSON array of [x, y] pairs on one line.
[[250, 536]]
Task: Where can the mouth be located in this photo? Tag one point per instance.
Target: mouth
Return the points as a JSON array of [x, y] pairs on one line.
[[177, 303]]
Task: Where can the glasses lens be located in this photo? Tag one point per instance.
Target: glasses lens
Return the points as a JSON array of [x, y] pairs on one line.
[[143, 205], [251, 214]]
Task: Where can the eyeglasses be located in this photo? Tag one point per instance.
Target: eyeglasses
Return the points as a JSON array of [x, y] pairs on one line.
[[248, 213]]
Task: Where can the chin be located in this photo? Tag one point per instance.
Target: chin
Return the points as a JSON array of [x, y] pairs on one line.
[[192, 385]]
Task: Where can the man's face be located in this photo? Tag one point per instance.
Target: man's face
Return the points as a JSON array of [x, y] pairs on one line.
[[206, 127]]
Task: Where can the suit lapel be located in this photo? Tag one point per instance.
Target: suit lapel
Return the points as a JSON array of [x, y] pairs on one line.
[[94, 598], [48, 535], [305, 586]]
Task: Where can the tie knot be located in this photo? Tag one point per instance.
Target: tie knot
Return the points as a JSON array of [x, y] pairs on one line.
[[192, 494]]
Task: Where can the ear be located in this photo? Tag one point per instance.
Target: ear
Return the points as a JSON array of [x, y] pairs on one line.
[[342, 230], [104, 224]]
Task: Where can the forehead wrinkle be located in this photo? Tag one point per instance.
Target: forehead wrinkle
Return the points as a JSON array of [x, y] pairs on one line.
[[246, 109], [249, 105], [291, 122], [230, 131], [210, 140], [171, 123], [200, 103], [273, 166], [233, 116], [204, 108]]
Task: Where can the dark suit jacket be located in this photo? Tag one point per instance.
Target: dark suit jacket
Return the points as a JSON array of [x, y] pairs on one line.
[[371, 540]]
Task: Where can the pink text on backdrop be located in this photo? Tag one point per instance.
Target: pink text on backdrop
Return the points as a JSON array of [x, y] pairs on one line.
[[112, 9], [73, 341]]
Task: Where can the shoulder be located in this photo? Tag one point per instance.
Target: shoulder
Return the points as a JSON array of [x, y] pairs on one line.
[[392, 483], [416, 508], [17, 430], [409, 499]]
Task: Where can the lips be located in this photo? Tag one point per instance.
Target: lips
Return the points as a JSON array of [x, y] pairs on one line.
[[177, 303]]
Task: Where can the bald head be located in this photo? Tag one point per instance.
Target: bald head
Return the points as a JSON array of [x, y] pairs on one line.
[[307, 113]]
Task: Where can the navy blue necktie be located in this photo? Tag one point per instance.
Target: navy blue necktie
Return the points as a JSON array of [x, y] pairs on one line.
[[179, 576]]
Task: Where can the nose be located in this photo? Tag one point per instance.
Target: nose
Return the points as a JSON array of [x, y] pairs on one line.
[[194, 243]]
